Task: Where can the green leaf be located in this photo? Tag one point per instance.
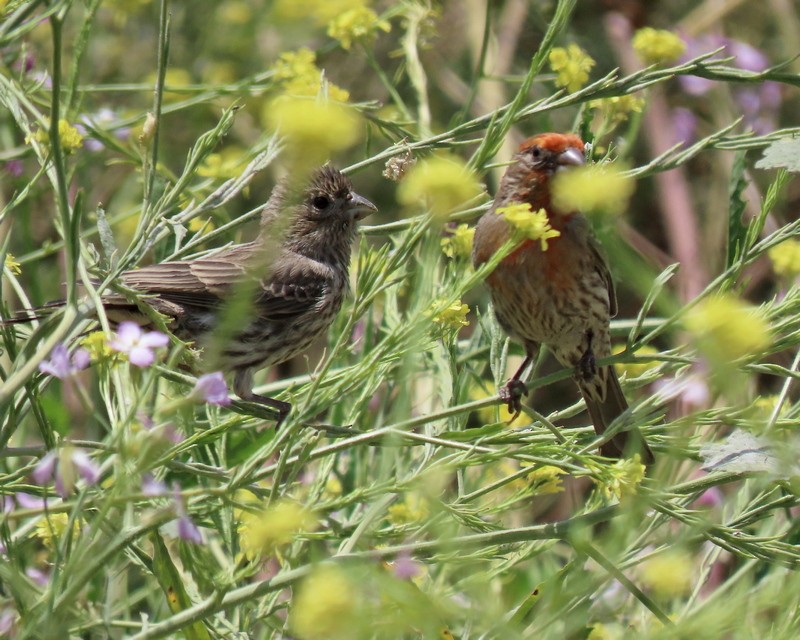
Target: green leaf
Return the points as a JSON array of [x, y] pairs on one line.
[[737, 229], [782, 154]]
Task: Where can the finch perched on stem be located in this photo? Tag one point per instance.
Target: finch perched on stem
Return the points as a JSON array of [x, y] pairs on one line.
[[260, 303], [557, 293]]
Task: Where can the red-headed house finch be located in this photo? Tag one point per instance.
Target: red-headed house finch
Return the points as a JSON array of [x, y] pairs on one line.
[[561, 296], [294, 275]]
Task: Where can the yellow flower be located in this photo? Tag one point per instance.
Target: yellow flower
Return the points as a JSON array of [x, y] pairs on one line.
[[413, 508], [572, 66], [320, 11], [69, 137], [726, 328], [174, 78], [605, 632], [624, 478], [596, 187], [459, 245], [3, 4], [443, 183], [234, 12], [196, 225], [453, 316], [655, 46], [546, 480], [786, 258], [313, 129], [299, 75], [327, 606], [356, 24], [228, 163], [12, 265], [52, 528], [96, 343], [638, 368], [617, 108], [668, 574], [532, 225], [261, 533]]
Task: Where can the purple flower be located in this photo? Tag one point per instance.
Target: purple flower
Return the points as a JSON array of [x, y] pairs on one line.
[[8, 621], [64, 467], [14, 168], [684, 125], [139, 346], [187, 529], [27, 501], [39, 576], [405, 567], [211, 388], [152, 487], [61, 366]]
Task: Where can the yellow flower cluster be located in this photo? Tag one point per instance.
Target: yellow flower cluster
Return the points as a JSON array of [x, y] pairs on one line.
[[593, 188], [636, 369], [413, 508], [727, 328], [453, 316], [546, 480], [326, 606], [299, 75], [785, 258], [320, 11], [263, 532], [228, 163], [534, 225], [53, 528], [459, 244], [12, 265], [96, 343], [69, 136], [360, 23], [571, 66], [442, 183], [625, 477], [618, 108], [656, 46], [668, 575]]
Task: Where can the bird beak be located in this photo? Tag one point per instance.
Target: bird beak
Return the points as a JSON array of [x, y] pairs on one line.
[[359, 207], [570, 157]]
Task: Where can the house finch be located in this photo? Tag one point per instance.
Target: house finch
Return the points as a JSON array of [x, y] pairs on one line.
[[561, 296], [292, 280]]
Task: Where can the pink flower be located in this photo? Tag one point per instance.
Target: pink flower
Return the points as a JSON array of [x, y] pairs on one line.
[[137, 344], [64, 467], [211, 388], [61, 366]]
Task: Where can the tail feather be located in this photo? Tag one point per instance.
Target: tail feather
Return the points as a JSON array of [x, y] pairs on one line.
[[604, 411]]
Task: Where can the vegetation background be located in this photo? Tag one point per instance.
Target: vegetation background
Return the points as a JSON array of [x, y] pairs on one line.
[[397, 501]]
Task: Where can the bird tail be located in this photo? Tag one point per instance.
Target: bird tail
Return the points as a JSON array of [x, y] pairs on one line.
[[29, 315], [604, 408]]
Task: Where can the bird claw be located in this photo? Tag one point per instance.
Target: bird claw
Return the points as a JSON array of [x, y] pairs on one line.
[[512, 393], [587, 365]]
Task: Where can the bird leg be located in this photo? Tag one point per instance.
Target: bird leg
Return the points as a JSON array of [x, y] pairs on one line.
[[587, 365], [515, 389], [243, 387]]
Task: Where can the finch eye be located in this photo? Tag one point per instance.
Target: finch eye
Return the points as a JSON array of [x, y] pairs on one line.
[[536, 153], [321, 202]]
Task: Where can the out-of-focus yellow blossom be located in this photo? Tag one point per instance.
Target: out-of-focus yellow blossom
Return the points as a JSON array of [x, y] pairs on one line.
[[636, 369], [413, 508], [726, 328], [360, 23], [459, 244], [197, 225], [12, 265], [263, 532], [442, 183], [656, 46], [313, 129], [228, 163], [96, 343], [53, 528], [624, 478], [453, 316], [571, 66], [618, 108], [333, 486], [300, 76], [69, 136], [534, 225], [327, 606], [786, 258], [605, 632], [174, 78], [3, 5], [320, 11], [593, 188], [234, 12], [546, 480], [219, 72], [668, 574]]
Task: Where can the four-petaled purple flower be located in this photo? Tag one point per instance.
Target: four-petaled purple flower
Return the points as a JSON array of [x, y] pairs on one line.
[[61, 365], [137, 344], [65, 466], [211, 388], [187, 529]]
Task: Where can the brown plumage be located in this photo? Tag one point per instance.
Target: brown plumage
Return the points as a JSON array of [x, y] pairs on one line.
[[258, 304], [562, 297]]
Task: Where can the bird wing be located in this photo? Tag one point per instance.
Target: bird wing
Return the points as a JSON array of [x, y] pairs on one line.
[[605, 275], [295, 288]]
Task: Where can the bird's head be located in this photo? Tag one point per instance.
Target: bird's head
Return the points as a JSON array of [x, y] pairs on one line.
[[537, 160], [326, 213]]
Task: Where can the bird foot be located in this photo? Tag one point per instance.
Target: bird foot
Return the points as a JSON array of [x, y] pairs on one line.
[[512, 393], [587, 365]]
